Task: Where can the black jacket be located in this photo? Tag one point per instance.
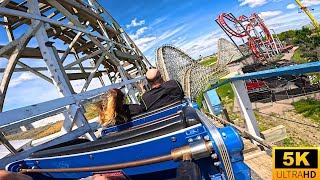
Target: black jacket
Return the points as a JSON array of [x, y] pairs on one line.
[[165, 94]]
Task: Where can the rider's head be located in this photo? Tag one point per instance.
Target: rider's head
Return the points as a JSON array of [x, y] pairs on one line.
[[154, 77]]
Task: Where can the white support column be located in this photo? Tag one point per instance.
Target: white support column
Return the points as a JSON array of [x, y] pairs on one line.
[[67, 51], [129, 91], [8, 29], [240, 92], [93, 72], [58, 75]]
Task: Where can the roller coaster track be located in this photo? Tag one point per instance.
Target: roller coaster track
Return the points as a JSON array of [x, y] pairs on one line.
[[186, 82], [262, 44], [173, 63]]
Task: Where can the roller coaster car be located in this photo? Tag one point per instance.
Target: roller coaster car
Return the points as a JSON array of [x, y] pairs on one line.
[[176, 141]]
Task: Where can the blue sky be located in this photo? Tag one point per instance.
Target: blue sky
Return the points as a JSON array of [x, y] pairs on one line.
[[188, 25]]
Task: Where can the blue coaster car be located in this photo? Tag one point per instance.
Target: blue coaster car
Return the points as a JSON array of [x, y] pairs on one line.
[[174, 142]]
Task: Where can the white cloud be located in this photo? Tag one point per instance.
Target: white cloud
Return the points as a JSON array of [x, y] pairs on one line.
[[158, 21], [29, 92], [138, 33], [253, 3], [292, 20], [291, 6], [164, 38], [176, 40], [21, 79], [203, 45], [310, 2], [134, 23], [142, 43], [268, 14]]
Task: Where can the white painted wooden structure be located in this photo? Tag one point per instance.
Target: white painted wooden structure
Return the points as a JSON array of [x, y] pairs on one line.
[[17, 144], [245, 106], [91, 34]]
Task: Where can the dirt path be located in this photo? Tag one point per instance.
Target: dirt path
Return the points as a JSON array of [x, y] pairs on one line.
[[289, 55], [300, 130]]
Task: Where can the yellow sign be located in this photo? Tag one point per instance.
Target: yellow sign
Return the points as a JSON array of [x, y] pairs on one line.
[[295, 163]]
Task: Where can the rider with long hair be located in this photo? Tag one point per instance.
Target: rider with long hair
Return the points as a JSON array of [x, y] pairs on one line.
[[114, 111]]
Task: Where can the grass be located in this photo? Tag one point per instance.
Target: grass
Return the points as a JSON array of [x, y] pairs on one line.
[[315, 77], [227, 96], [225, 91], [53, 129], [297, 57], [91, 112], [292, 142], [309, 108], [200, 97], [279, 57], [208, 86], [261, 125], [209, 62]]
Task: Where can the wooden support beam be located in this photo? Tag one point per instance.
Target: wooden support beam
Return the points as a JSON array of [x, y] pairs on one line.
[[77, 76], [7, 11], [17, 22], [79, 63], [35, 72], [28, 52], [113, 59], [92, 55], [7, 144], [84, 9], [14, 5], [30, 120], [75, 39], [52, 107], [245, 105], [93, 72], [88, 45], [125, 56], [8, 29], [44, 69], [16, 115], [19, 45], [3, 3], [59, 77], [59, 31], [129, 40]]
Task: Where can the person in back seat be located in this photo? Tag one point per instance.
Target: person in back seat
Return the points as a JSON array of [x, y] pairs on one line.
[[114, 111], [161, 93]]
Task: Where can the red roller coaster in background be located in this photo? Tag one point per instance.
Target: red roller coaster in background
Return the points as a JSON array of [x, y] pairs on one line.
[[259, 38]]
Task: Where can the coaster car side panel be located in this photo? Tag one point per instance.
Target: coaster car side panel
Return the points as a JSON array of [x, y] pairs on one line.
[[226, 142], [147, 117]]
